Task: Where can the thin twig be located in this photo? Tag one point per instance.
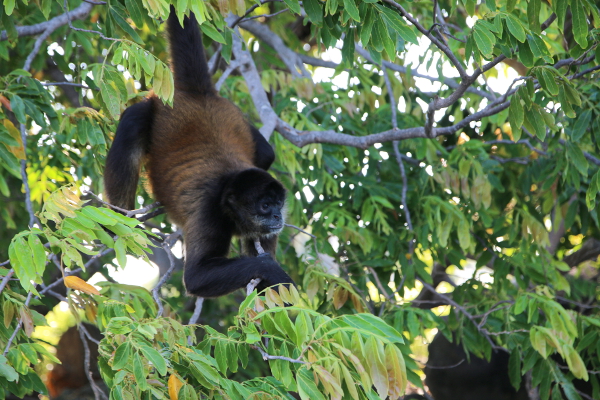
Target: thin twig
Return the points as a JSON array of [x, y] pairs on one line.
[[252, 285], [380, 286], [445, 366], [314, 238], [164, 278], [265, 15], [230, 68], [89, 192], [65, 84], [143, 210], [66, 8], [18, 327], [390, 90], [98, 393], [197, 311], [464, 311], [6, 279], [267, 356], [28, 204]]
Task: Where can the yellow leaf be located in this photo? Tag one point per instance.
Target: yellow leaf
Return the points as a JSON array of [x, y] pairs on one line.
[[375, 356], [174, 385], [27, 321], [340, 296], [396, 370], [18, 151], [77, 283]]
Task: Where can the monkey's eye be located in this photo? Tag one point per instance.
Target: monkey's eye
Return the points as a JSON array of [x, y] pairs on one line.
[[265, 206]]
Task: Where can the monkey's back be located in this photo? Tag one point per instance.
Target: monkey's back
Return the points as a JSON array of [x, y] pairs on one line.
[[191, 144]]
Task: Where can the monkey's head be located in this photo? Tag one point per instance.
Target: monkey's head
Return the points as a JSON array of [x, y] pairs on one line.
[[256, 202]]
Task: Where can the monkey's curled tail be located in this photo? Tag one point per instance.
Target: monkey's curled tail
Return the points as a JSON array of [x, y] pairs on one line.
[[124, 159]]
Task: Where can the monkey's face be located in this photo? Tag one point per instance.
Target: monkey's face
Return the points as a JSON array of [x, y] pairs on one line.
[[255, 201], [268, 214]]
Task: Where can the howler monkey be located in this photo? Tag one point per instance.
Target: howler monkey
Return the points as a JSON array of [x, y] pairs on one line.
[[207, 166]]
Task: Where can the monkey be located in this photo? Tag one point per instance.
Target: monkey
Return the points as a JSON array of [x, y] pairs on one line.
[[207, 165]]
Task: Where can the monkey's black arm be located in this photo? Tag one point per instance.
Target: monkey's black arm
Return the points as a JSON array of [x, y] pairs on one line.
[[208, 273], [187, 56], [122, 170], [214, 277]]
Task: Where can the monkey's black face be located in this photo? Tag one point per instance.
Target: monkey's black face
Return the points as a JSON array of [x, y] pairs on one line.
[[255, 201], [268, 214]]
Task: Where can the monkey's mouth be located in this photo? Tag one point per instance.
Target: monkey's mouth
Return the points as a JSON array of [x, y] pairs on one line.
[[275, 228]]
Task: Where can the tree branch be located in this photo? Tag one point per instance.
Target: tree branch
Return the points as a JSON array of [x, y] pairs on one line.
[[291, 59], [81, 12]]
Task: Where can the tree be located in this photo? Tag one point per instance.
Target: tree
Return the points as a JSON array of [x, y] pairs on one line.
[[406, 158]]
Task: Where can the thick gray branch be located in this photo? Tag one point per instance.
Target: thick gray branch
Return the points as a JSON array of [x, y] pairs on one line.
[[81, 12], [291, 59]]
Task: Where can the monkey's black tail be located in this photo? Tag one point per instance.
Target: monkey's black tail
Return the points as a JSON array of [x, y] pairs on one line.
[[124, 160], [191, 72]]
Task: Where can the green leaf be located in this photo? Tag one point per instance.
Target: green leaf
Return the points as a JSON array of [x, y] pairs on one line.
[[564, 102], [120, 326], [6, 139], [155, 358], [136, 10], [306, 386], [484, 39], [560, 8], [375, 325], [7, 371], [352, 10], [394, 21], [209, 30], [348, 47], [546, 79], [10, 162], [293, 5], [464, 235], [515, 27], [580, 25], [122, 356], [39, 254], [138, 372], [572, 94], [538, 47], [111, 98], [510, 5], [516, 113], [98, 216], [119, 19], [525, 55], [187, 392], [18, 108], [9, 6], [536, 120], [575, 155], [367, 28], [379, 32], [581, 125], [314, 11], [533, 15], [514, 368], [121, 252]]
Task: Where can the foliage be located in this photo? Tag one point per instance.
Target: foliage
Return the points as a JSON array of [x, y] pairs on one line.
[[446, 139]]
